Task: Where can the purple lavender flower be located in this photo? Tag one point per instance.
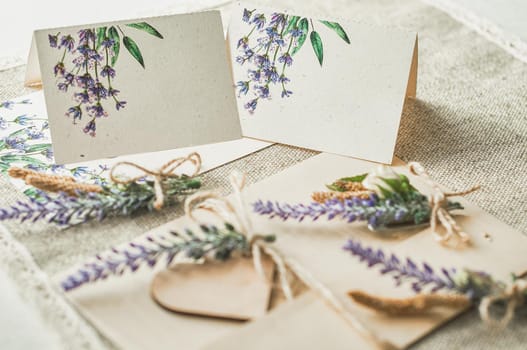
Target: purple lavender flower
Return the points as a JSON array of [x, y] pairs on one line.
[[90, 128], [286, 59], [403, 271], [242, 42], [59, 69], [473, 284], [22, 120], [251, 105], [378, 212], [258, 20], [3, 123], [86, 36], [255, 75], [67, 42], [277, 20], [88, 56], [286, 93], [85, 81], [263, 91], [53, 40], [75, 112], [120, 104], [243, 87], [33, 133], [113, 92], [97, 110], [295, 33], [7, 104], [82, 97], [98, 90], [108, 71], [48, 153], [16, 143], [107, 43], [247, 15]]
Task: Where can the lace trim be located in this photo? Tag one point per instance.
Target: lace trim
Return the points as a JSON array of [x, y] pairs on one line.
[[37, 290]]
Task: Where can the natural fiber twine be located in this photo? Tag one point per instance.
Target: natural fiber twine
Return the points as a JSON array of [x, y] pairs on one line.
[[467, 126]]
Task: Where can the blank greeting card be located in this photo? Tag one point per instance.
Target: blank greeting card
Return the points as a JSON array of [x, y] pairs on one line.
[[332, 86], [135, 86]]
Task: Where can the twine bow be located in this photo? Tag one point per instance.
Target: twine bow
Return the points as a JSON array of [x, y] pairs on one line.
[[234, 212], [165, 172], [438, 199], [513, 296]]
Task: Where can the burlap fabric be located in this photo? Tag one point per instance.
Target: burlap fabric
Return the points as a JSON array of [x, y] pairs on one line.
[[468, 126]]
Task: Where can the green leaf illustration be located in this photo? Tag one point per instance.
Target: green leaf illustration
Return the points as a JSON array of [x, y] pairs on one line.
[[338, 29], [292, 24], [4, 167], [303, 25], [12, 158], [114, 35], [101, 34], [132, 47], [38, 148], [316, 42], [145, 27]]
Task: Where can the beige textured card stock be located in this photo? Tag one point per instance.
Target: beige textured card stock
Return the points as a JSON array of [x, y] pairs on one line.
[[336, 87], [135, 86], [122, 309]]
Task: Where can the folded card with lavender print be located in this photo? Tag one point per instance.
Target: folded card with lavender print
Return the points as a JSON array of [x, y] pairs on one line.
[[318, 246], [135, 86], [25, 142], [327, 84]]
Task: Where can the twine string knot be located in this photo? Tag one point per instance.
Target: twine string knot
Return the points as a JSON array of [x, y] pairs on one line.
[[513, 296], [439, 213], [164, 172], [235, 212]]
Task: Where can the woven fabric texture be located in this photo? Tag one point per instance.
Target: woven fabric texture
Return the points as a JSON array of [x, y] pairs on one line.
[[468, 126]]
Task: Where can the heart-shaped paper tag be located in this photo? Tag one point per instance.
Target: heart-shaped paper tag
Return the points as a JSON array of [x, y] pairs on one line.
[[232, 289]]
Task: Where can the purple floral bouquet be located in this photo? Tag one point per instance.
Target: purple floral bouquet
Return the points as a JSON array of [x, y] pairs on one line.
[[87, 65], [269, 47]]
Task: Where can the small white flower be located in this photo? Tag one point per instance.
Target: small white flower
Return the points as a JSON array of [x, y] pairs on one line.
[[374, 178]]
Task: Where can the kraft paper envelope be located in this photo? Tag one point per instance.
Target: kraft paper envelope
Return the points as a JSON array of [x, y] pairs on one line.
[[120, 307], [27, 143], [135, 86], [332, 85]]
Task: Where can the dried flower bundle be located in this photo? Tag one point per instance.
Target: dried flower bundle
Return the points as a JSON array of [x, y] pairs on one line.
[[220, 244], [390, 200], [473, 284], [114, 200]]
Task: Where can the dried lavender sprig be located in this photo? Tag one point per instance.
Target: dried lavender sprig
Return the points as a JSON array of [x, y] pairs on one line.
[[376, 211], [473, 284], [115, 200], [220, 243]]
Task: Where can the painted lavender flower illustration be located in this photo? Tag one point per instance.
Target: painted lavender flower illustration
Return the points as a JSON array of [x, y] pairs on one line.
[[87, 66], [268, 49]]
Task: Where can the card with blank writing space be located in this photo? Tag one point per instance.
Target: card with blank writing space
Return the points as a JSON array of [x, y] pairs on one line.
[[135, 86], [333, 86]]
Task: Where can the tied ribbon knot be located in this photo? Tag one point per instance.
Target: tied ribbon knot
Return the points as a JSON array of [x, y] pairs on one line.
[[439, 214], [235, 212], [165, 172], [513, 296]]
